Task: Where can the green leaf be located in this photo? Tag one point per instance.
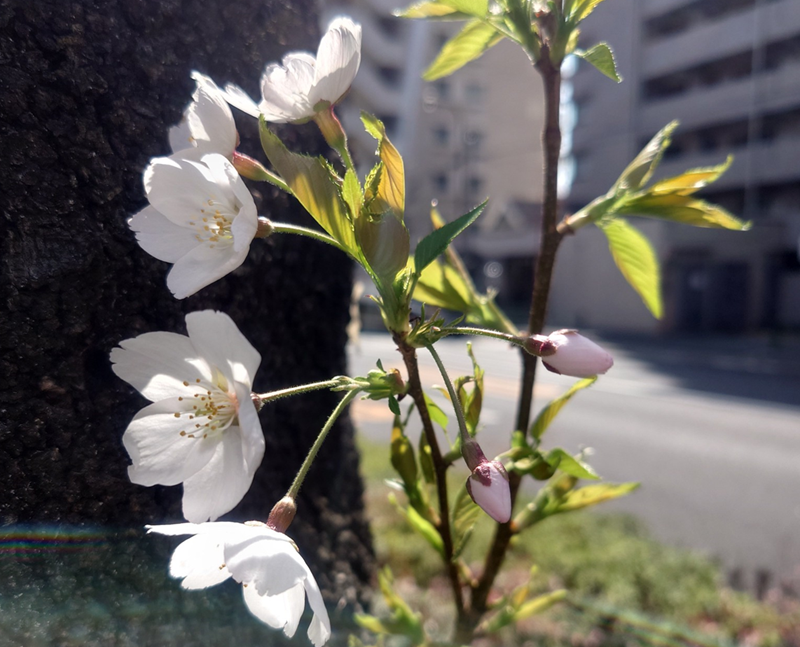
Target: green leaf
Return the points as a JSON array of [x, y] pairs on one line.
[[682, 208], [550, 411], [391, 192], [582, 9], [692, 180], [426, 460], [351, 194], [311, 183], [602, 58], [569, 464], [477, 8], [464, 517], [436, 242], [402, 457], [539, 604], [644, 164], [437, 415], [421, 526], [472, 403], [637, 261], [441, 286], [594, 494], [385, 244], [470, 43], [435, 10], [371, 623]]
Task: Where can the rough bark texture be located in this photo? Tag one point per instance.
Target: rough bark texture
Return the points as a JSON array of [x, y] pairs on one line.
[[88, 90]]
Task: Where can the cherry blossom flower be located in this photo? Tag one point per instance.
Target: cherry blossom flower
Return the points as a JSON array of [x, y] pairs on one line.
[[302, 85], [575, 355], [489, 488], [201, 217], [275, 578], [207, 125], [202, 429]]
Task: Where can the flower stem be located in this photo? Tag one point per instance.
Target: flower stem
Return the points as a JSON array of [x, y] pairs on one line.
[[312, 453], [339, 381], [482, 332], [286, 228], [332, 131], [462, 423]]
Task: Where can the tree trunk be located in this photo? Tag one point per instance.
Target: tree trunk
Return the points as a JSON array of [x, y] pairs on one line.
[[89, 90]]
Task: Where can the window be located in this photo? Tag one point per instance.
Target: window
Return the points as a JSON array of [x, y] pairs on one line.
[[440, 182], [473, 140], [474, 186], [442, 89], [473, 93], [441, 135]]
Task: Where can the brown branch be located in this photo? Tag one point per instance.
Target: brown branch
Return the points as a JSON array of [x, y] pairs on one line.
[[542, 278], [409, 354]]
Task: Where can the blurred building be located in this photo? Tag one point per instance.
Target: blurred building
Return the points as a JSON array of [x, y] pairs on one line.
[[472, 135], [729, 70]]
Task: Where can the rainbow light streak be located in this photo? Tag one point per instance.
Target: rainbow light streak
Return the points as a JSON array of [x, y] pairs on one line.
[[25, 542]]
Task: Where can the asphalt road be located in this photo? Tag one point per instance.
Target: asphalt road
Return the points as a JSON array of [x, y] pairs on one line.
[[710, 428]]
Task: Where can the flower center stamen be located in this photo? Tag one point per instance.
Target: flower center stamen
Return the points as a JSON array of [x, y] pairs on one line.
[[214, 409], [214, 225]]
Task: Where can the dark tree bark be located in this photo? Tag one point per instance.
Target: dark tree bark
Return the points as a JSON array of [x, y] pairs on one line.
[[88, 90]]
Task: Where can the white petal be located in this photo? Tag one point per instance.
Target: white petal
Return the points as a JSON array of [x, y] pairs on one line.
[[228, 529], [218, 340], [201, 267], [577, 356], [338, 58], [238, 98], [320, 628], [180, 189], [250, 428], [159, 452], [285, 88], [160, 237], [244, 228], [237, 198], [270, 565], [157, 363], [180, 136], [220, 485], [210, 119], [199, 561], [282, 611]]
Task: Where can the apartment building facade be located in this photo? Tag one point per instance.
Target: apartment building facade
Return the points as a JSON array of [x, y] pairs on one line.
[[469, 136], [729, 70]]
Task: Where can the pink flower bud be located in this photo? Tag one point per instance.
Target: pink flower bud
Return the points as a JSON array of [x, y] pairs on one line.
[[488, 487], [576, 355]]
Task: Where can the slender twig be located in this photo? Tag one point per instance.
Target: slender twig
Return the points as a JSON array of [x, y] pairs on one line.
[[286, 228], [312, 453], [462, 423], [342, 382], [481, 332], [551, 77], [440, 468]]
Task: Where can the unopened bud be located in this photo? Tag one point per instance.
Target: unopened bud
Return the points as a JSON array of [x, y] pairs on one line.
[[282, 514], [488, 486], [264, 228], [248, 167], [257, 401], [539, 345], [576, 355]]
